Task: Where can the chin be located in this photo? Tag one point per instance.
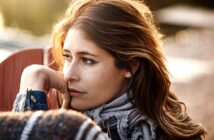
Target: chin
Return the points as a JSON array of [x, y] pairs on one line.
[[81, 107]]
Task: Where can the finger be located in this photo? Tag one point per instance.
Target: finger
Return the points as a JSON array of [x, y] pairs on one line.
[[56, 80], [66, 100]]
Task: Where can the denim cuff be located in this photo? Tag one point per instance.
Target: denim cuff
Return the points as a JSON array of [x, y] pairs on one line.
[[30, 100]]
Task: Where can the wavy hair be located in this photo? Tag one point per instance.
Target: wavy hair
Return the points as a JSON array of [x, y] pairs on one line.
[[126, 29]]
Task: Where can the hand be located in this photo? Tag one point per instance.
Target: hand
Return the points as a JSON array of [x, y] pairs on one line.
[[66, 101], [39, 77]]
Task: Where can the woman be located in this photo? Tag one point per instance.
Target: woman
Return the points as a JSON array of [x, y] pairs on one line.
[[49, 125], [113, 69]]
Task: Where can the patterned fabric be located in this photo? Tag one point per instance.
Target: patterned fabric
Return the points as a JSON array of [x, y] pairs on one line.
[[119, 117], [30, 100], [49, 125], [120, 114], [29, 126], [89, 131]]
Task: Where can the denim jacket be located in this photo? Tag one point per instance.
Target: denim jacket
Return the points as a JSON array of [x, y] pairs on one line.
[[30, 100]]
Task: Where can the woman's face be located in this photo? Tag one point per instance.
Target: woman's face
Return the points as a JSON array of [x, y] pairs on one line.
[[90, 71]]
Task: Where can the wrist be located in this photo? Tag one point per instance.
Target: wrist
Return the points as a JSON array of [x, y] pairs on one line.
[[41, 82], [34, 77]]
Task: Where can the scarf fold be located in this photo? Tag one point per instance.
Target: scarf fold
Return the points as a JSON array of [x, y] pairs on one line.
[[122, 115]]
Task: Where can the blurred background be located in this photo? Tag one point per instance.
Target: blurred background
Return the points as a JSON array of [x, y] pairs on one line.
[[188, 27]]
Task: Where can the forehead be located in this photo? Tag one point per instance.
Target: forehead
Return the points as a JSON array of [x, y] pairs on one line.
[[76, 40]]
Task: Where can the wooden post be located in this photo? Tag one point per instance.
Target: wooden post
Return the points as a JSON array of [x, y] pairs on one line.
[[10, 74]]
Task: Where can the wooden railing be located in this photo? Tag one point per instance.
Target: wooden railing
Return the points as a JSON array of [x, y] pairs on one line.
[[10, 74]]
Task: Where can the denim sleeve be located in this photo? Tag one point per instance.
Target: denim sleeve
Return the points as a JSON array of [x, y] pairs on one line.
[[30, 100]]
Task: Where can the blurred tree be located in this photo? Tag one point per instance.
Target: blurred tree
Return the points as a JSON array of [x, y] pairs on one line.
[[36, 16]]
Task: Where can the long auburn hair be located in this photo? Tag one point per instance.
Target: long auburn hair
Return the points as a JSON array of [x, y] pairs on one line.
[[126, 29]]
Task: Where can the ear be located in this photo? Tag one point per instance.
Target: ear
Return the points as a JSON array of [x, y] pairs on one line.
[[134, 65]]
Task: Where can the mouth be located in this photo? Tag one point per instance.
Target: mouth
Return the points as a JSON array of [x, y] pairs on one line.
[[75, 93]]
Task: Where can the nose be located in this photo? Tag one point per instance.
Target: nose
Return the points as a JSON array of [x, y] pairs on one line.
[[71, 72]]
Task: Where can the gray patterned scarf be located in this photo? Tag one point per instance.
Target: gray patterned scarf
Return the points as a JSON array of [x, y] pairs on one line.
[[122, 115]]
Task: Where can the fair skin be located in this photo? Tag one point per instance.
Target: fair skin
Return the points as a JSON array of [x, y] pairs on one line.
[[90, 77], [39, 77]]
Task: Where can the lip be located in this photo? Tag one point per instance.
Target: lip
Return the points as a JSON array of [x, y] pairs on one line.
[[74, 93]]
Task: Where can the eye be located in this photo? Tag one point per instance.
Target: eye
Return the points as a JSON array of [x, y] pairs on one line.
[[67, 57], [88, 61]]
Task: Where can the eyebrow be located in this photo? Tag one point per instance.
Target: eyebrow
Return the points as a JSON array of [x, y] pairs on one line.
[[81, 52]]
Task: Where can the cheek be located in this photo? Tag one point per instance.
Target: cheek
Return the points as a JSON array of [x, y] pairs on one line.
[[102, 84], [105, 79]]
